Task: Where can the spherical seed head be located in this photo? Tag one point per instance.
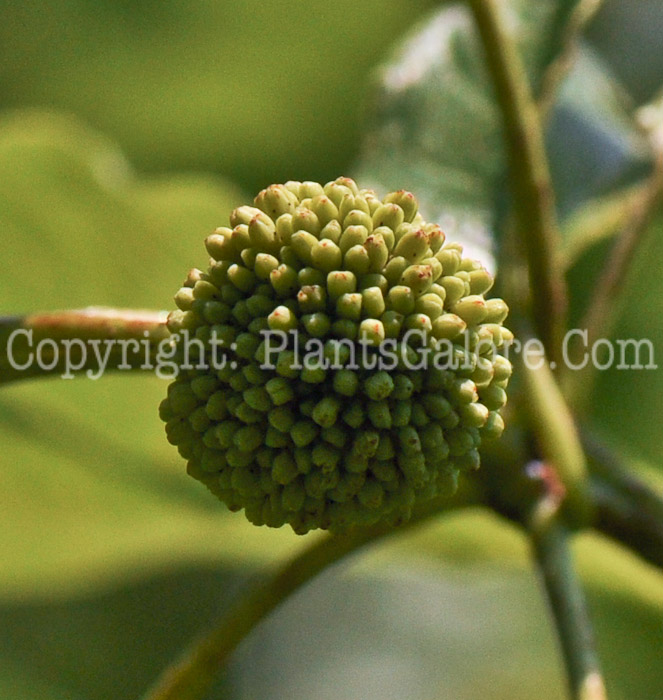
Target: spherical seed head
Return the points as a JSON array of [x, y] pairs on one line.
[[339, 359]]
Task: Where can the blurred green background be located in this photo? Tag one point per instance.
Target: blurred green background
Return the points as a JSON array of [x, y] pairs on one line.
[[128, 130]]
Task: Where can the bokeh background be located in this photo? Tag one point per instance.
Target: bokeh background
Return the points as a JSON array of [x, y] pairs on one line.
[[128, 130]]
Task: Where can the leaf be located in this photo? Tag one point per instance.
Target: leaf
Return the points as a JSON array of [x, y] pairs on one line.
[[435, 128], [261, 92], [593, 144], [444, 621], [449, 610], [625, 406], [92, 492]]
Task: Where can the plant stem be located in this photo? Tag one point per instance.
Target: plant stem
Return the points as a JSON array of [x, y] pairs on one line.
[[557, 69], [532, 192], [191, 677], [627, 509], [68, 340], [554, 428], [569, 609]]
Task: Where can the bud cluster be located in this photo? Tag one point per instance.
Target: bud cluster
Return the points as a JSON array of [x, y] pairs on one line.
[[334, 448]]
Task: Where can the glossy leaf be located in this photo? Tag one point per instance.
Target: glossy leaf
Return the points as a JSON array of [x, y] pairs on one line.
[[436, 129]]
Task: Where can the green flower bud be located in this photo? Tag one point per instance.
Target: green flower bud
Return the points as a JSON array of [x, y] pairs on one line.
[[341, 282], [326, 255], [412, 246], [346, 382], [401, 299], [436, 237], [394, 270], [284, 231], [378, 252], [356, 260], [284, 280], [351, 202], [311, 298], [302, 243], [351, 236], [305, 220], [493, 396], [282, 319], [240, 238], [372, 304], [429, 304], [454, 289], [184, 298], [332, 230], [276, 200], [389, 215], [406, 201], [358, 217], [219, 245], [316, 324], [324, 209], [480, 281], [262, 232], [472, 309], [371, 331], [450, 260], [494, 427], [349, 306], [241, 277], [392, 322], [496, 311], [418, 277]]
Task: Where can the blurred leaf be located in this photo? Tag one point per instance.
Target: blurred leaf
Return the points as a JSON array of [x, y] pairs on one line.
[[91, 489], [593, 144], [628, 34], [627, 401], [458, 625], [449, 611], [436, 129], [109, 644], [261, 92]]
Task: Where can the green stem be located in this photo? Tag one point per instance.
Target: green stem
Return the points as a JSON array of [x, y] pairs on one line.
[[532, 192], [555, 431], [569, 609], [627, 510], [65, 342], [191, 677], [557, 69]]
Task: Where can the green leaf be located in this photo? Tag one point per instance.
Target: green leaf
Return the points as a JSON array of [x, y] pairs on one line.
[[92, 490], [626, 404], [593, 144], [435, 128], [448, 610], [261, 92], [452, 610]]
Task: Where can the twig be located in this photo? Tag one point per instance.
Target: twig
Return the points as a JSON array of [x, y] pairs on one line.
[[193, 674], [64, 342], [560, 66], [627, 509], [554, 428], [533, 196], [569, 609]]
